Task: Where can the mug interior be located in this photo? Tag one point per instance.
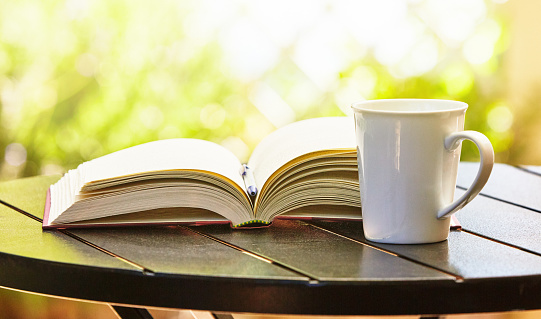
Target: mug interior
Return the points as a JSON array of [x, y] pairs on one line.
[[409, 106]]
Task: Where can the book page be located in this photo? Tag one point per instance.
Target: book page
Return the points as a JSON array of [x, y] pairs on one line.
[[297, 139], [164, 216], [163, 155], [154, 159]]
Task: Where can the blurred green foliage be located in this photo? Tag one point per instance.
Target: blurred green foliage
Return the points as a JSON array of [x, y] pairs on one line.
[[80, 79]]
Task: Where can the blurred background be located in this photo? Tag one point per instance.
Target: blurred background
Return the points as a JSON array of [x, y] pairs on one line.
[[80, 78]]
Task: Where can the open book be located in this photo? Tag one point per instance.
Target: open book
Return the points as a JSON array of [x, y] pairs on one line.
[[304, 170]]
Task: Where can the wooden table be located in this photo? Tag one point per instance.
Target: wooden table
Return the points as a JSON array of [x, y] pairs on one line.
[[294, 267]]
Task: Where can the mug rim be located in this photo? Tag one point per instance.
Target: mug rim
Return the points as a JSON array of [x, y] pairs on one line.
[[444, 106]]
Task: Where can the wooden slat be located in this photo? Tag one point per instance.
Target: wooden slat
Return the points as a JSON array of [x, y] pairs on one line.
[[27, 194], [177, 250], [321, 254], [532, 169], [22, 236], [463, 254], [506, 183], [502, 221]]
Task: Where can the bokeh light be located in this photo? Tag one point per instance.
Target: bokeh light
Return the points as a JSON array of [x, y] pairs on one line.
[[500, 119], [80, 79]]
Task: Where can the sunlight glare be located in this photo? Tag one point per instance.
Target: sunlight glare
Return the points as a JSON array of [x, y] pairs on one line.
[[248, 50], [453, 21], [271, 105], [480, 47], [321, 53]]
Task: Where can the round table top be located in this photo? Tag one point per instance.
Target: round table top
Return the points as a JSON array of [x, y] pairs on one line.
[[292, 267]]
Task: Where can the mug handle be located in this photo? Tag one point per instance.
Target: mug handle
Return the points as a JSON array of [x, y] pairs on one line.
[[486, 153]]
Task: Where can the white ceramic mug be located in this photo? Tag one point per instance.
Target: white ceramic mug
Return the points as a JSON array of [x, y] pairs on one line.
[[408, 152]]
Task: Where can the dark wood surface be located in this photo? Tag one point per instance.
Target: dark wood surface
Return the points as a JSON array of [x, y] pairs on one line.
[[294, 267]]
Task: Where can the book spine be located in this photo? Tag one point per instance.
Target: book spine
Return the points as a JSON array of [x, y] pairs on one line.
[[255, 223]]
